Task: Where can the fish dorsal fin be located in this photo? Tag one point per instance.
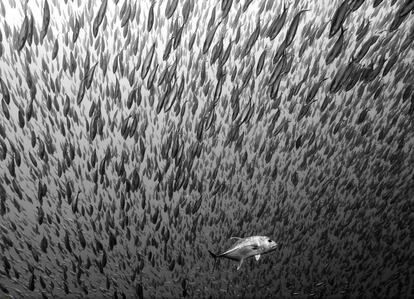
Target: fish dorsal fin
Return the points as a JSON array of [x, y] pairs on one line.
[[257, 257], [237, 238], [240, 264]]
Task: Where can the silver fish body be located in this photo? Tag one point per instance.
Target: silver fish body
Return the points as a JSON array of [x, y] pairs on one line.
[[247, 247]]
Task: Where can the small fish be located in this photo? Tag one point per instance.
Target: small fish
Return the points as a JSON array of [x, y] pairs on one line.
[[76, 31], [355, 5], [290, 34], [247, 247], [170, 8], [46, 20], [252, 39], [339, 18], [405, 9], [21, 40], [99, 17], [225, 7], [336, 49], [191, 41], [55, 49], [363, 30], [212, 18], [150, 21], [246, 5], [5, 91], [260, 62], [277, 25], [209, 38], [147, 62]]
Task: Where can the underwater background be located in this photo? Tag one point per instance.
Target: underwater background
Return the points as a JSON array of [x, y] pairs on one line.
[[137, 135]]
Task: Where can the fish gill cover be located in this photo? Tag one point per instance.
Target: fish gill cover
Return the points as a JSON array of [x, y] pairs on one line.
[[137, 136]]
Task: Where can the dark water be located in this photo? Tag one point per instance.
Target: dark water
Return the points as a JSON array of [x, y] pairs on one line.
[[135, 136]]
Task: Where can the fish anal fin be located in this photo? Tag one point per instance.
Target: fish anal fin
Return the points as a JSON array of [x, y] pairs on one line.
[[257, 257], [240, 264]]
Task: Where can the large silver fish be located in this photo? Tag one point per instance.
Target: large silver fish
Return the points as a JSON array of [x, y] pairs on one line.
[[247, 247]]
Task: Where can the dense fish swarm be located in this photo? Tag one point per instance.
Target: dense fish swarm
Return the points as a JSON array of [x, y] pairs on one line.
[[137, 135]]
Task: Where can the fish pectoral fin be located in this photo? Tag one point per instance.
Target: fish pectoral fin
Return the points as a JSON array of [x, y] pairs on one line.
[[257, 257], [240, 264], [254, 247]]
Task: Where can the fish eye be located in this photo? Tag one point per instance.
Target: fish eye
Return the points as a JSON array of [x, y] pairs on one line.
[[270, 240]]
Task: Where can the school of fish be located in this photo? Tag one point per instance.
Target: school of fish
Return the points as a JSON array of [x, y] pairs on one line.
[[138, 137]]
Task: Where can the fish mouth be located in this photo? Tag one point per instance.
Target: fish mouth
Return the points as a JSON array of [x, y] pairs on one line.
[[273, 248]]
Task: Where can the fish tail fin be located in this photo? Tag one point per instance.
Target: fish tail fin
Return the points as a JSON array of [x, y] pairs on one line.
[[215, 256]]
